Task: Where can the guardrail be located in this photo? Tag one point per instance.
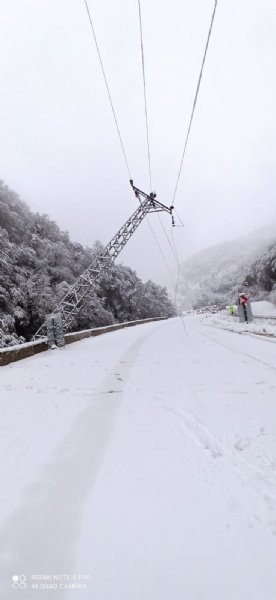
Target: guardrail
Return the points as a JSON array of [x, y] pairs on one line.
[[21, 351], [265, 317]]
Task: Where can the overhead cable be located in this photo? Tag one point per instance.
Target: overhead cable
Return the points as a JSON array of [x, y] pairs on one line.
[[167, 237], [148, 144], [177, 284], [179, 218], [195, 100], [107, 87], [178, 265], [160, 249], [145, 95]]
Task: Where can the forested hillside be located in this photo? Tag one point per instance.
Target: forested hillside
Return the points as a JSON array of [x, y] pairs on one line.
[[217, 274], [261, 277], [38, 263]]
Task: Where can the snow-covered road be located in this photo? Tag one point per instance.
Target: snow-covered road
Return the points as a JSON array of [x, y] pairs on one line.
[[141, 465]]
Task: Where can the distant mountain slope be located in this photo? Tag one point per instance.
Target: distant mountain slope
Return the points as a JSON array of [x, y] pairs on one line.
[[217, 274], [261, 276]]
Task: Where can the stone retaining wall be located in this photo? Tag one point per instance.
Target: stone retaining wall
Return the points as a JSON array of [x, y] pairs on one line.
[[9, 355]]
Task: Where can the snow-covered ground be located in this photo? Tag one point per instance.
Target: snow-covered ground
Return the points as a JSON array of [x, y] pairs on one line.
[[141, 464], [263, 308], [261, 326], [264, 325]]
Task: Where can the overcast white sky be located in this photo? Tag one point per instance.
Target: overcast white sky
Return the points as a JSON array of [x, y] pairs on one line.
[[59, 148]]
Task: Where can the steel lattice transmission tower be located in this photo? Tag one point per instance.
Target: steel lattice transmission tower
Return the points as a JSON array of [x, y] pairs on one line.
[[71, 304]]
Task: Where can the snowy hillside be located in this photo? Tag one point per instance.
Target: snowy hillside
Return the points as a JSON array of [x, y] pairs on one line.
[[39, 263], [216, 274]]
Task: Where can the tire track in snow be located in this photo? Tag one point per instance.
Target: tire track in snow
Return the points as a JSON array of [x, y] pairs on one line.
[[234, 351], [260, 482], [41, 535]]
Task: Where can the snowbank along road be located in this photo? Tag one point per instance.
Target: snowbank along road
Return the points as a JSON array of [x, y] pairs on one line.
[[141, 464]]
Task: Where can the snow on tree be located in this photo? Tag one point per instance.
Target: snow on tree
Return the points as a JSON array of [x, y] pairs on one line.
[[39, 263]]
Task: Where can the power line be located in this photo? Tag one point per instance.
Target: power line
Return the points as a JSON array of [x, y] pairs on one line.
[[177, 283], [195, 99], [148, 145], [160, 249], [172, 245], [147, 129], [144, 86], [167, 237], [116, 120], [107, 87], [178, 266], [179, 218]]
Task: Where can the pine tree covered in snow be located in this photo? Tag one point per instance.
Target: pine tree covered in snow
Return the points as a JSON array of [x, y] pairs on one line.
[[39, 262]]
